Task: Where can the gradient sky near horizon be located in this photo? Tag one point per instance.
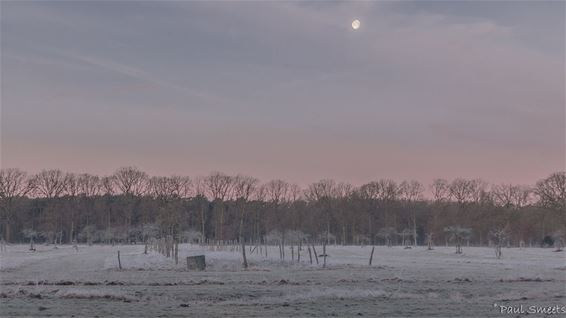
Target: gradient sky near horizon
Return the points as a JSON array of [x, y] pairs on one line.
[[286, 89]]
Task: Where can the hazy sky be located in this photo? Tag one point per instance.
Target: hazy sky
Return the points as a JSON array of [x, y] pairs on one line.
[[286, 89]]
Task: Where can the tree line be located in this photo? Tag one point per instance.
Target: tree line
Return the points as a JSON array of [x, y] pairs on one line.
[[131, 206]]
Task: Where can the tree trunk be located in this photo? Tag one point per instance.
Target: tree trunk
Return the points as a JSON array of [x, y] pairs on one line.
[[8, 231], [324, 255], [221, 223], [176, 252], [315, 254], [292, 254], [119, 262], [72, 231], [202, 236], [415, 229], [241, 230], [244, 254]]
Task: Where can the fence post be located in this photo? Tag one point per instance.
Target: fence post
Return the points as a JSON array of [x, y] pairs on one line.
[[119, 263]]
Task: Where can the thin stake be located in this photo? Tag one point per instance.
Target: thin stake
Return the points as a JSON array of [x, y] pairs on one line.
[[315, 254], [119, 263], [324, 254]]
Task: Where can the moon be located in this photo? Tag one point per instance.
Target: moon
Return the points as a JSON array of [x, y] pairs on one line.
[[356, 24]]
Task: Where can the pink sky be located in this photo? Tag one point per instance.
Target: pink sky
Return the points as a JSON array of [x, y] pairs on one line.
[[286, 90]]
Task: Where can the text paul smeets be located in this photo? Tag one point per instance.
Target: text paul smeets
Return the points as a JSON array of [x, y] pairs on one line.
[[520, 309]]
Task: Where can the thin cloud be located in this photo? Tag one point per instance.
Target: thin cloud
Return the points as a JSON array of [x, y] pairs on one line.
[[141, 75]]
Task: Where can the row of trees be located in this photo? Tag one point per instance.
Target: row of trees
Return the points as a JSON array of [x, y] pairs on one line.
[[132, 206]]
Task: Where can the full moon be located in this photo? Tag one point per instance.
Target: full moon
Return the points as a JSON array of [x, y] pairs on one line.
[[356, 24]]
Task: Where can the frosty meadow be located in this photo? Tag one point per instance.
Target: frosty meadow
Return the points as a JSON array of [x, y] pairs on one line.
[[400, 283]]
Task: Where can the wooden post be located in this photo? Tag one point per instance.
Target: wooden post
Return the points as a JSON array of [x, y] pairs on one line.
[[324, 254], [244, 254], [119, 263], [315, 254], [176, 252], [292, 253], [299, 253], [310, 255], [371, 255]]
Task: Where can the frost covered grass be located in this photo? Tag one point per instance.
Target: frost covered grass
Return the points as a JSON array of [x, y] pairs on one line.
[[401, 282]]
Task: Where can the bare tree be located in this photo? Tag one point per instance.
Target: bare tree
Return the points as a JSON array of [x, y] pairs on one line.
[[14, 184], [167, 188], [430, 240], [295, 192], [72, 190], [457, 234], [499, 236], [370, 192], [323, 192], [411, 192], [276, 192], [462, 190], [130, 181], [244, 187], [50, 183], [478, 190], [440, 189], [200, 197], [510, 196], [558, 237], [387, 233], [31, 235], [182, 186], [552, 192], [108, 185], [89, 185], [341, 197], [388, 195], [218, 186]]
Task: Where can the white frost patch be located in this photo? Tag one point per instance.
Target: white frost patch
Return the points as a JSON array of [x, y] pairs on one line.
[[336, 293], [19, 255], [92, 293], [151, 260], [440, 264], [314, 294]]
